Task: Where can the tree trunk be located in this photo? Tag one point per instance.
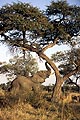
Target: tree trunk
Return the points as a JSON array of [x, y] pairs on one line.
[[24, 55], [57, 92]]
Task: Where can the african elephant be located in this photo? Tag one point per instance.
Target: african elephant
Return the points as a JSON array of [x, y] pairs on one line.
[[27, 84]]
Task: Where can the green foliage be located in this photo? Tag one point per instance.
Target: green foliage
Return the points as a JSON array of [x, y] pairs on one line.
[[69, 60], [23, 24], [18, 66], [65, 19], [20, 18], [58, 56]]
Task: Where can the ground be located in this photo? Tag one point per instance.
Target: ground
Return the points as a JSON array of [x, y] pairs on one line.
[[36, 106]]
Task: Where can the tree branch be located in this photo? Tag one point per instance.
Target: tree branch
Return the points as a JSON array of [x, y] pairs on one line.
[[70, 74], [50, 45], [26, 47], [52, 64]]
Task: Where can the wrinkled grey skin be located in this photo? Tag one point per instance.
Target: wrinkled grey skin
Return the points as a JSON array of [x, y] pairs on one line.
[[32, 83]]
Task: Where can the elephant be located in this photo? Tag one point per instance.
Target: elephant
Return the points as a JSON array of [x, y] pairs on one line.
[[30, 83], [21, 83], [40, 76]]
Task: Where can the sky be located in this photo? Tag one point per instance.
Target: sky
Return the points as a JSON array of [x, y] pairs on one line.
[[41, 4]]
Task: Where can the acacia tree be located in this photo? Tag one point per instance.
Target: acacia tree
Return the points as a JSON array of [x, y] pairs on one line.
[[21, 22], [68, 61]]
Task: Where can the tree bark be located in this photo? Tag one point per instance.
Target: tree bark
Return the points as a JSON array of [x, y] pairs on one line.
[[24, 55], [57, 93]]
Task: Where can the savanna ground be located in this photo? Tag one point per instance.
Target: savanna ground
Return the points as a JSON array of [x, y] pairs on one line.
[[36, 106]]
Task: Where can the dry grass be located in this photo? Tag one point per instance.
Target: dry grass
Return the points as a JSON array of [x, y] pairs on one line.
[[24, 111], [32, 107], [36, 107]]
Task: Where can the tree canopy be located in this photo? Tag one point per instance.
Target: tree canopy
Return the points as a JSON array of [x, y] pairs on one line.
[[65, 18], [23, 23], [21, 20]]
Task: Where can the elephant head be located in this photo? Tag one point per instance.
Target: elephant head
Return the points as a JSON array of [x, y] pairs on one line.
[[40, 76]]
